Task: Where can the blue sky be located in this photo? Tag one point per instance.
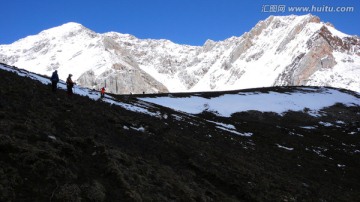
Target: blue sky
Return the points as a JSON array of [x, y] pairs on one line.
[[181, 21]]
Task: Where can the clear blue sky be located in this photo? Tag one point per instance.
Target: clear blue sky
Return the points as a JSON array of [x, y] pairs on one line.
[[181, 21]]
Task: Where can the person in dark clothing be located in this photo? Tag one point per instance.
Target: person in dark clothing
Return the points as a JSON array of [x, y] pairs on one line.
[[54, 80], [69, 84]]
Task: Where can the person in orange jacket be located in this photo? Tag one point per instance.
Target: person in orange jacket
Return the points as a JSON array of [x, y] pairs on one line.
[[102, 92], [69, 84]]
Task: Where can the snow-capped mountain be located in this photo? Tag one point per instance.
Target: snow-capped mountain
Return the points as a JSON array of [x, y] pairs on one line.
[[281, 50], [94, 59]]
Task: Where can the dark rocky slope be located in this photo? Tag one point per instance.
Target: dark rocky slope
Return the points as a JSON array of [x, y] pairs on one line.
[[55, 148]]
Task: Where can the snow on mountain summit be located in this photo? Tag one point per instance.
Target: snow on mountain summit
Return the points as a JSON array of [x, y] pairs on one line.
[[67, 27], [280, 50]]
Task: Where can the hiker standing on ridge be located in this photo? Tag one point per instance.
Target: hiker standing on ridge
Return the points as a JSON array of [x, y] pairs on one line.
[[54, 80], [69, 84], [102, 92]]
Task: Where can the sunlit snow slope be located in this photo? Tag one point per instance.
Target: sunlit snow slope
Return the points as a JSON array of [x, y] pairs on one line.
[[303, 98]]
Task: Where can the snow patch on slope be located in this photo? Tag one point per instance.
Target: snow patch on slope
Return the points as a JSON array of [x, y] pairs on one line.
[[228, 104]]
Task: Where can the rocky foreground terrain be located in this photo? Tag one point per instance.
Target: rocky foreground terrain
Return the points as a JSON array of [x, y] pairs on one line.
[[56, 148]]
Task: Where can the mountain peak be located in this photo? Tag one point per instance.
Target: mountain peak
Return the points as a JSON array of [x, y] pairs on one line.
[[72, 25], [291, 18], [66, 28]]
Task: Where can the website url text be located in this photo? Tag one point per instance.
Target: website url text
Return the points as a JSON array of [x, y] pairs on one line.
[[313, 8]]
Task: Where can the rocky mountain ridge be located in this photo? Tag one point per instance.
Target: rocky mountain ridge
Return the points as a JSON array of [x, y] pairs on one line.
[[281, 50]]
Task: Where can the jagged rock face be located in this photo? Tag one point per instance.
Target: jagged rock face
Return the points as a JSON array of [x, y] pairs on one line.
[[319, 56], [166, 58], [286, 50], [125, 77], [121, 81]]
